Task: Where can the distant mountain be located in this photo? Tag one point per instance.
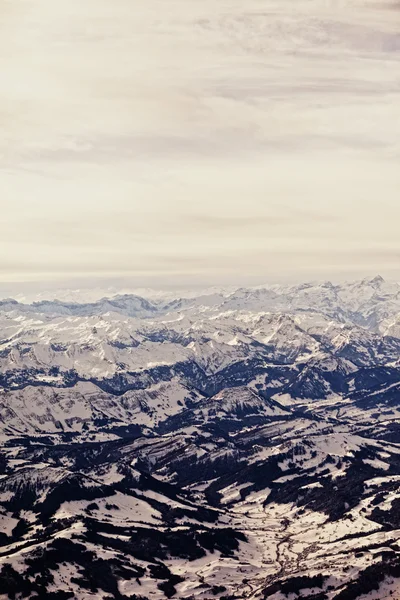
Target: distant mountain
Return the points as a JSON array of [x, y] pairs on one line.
[[231, 444]]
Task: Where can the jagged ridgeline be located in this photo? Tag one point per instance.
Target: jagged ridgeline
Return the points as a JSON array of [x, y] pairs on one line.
[[228, 445]]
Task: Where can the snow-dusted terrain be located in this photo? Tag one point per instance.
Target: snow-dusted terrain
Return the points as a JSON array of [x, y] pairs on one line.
[[231, 444]]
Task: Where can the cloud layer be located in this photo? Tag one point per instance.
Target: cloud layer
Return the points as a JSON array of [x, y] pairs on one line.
[[207, 141]]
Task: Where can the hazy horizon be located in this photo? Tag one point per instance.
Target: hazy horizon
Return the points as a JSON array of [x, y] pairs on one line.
[[96, 288], [199, 143]]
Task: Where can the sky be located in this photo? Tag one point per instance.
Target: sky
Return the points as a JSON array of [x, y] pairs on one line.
[[190, 142]]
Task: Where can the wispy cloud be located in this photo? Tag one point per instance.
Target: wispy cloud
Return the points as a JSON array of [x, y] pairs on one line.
[[199, 137]]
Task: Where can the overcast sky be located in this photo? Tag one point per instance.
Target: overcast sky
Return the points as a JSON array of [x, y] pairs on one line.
[[199, 141]]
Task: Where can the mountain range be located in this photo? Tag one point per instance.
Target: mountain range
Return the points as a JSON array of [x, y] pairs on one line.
[[227, 444]]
